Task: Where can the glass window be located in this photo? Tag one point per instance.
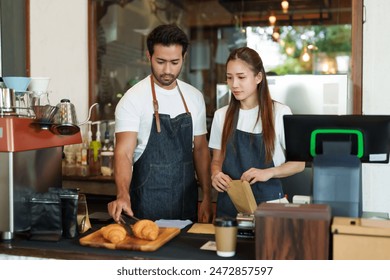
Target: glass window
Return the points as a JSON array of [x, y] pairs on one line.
[[310, 37]]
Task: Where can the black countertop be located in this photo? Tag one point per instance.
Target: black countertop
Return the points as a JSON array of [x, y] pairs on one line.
[[185, 246]]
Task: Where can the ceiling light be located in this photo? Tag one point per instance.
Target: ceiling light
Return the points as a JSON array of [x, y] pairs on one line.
[[305, 55], [290, 50], [272, 19], [284, 6], [276, 36]]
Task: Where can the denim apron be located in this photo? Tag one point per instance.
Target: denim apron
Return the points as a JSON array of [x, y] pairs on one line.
[[163, 184], [243, 151]]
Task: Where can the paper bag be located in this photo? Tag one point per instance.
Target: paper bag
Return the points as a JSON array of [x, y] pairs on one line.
[[46, 217], [83, 221], [240, 192]]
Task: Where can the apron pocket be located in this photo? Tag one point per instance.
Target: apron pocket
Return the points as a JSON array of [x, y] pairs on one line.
[[160, 177]]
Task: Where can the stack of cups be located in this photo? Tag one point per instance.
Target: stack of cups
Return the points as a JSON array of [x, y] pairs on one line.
[[226, 236]]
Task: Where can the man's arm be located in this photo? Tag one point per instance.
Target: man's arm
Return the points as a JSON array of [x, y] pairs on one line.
[[123, 162], [202, 167]]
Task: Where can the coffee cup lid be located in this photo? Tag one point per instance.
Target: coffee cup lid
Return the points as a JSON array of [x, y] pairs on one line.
[[225, 222]]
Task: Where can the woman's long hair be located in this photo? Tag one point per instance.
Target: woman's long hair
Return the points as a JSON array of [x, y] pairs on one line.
[[266, 110]]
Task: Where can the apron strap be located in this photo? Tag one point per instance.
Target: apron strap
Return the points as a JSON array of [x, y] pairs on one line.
[[155, 105], [155, 102], [182, 98]]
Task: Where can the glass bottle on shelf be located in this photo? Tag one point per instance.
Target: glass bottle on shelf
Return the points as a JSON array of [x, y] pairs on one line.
[[95, 147]]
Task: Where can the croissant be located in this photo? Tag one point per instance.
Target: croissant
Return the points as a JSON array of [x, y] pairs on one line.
[[114, 233], [146, 229]]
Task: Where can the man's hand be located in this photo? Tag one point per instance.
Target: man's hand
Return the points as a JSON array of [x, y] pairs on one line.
[[205, 213], [116, 207]]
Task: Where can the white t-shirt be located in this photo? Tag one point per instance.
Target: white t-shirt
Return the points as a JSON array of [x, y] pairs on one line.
[[134, 111], [246, 122]]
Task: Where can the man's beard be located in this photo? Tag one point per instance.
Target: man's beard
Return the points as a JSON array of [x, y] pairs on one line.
[[165, 79]]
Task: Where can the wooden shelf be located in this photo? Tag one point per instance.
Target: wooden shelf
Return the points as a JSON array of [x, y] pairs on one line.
[[89, 178], [98, 185]]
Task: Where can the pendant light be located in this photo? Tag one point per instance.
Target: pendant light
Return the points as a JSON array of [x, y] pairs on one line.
[[272, 19], [284, 5]]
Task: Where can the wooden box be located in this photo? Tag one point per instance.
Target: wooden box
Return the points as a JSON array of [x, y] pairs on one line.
[[292, 231], [360, 239]]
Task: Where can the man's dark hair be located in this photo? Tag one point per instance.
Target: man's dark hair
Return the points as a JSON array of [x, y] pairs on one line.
[[167, 35]]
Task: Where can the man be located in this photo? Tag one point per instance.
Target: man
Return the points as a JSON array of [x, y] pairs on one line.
[[161, 139]]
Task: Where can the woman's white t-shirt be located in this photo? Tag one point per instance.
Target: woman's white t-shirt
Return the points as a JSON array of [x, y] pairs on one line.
[[247, 123], [135, 111]]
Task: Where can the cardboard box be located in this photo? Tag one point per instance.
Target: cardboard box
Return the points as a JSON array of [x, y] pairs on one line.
[[360, 239], [292, 231]]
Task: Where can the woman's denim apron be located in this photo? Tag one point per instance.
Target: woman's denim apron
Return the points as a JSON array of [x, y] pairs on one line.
[[243, 151], [163, 184]]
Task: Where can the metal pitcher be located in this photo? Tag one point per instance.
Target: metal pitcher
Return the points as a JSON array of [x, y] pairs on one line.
[[65, 119], [7, 100]]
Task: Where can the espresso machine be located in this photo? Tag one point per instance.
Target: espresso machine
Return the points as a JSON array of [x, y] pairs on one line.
[[30, 160], [32, 136]]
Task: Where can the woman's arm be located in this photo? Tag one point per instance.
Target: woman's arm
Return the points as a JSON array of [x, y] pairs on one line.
[[286, 169]]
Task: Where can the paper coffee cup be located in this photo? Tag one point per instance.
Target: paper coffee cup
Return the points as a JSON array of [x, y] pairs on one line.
[[226, 236]]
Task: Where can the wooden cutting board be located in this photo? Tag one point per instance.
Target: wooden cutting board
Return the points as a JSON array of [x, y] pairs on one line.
[[96, 239]]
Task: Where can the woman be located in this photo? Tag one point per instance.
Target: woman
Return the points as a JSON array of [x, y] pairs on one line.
[[247, 136]]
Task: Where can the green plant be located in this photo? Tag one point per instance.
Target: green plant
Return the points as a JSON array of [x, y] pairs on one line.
[[325, 39]]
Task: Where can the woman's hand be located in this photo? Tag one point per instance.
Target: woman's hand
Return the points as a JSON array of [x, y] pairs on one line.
[[254, 175], [220, 181], [286, 169]]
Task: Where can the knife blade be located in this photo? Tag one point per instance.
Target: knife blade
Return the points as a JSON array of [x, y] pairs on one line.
[[124, 222], [128, 228]]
